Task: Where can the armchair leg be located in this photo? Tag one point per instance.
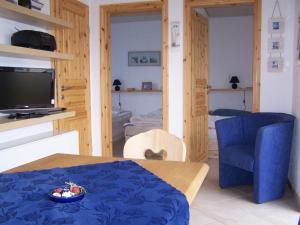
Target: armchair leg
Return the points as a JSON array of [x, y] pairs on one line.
[[230, 176]]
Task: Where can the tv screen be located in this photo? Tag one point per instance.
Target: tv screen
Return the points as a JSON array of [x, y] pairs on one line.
[[26, 88]]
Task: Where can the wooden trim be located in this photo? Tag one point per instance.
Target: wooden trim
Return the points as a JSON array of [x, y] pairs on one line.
[[256, 55], [120, 9], [189, 4], [9, 124], [214, 3], [9, 50], [23, 15]]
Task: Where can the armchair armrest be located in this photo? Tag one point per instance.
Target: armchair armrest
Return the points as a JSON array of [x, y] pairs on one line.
[[273, 144], [229, 132]]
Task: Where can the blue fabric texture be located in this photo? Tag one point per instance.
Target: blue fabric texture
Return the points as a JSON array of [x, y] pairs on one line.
[[229, 112], [255, 149], [118, 193]]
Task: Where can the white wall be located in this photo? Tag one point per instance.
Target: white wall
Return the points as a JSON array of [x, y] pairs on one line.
[[136, 36], [7, 28], [295, 155], [230, 53], [277, 88], [175, 71]]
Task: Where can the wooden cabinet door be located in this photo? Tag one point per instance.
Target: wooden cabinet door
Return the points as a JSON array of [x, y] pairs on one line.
[[199, 82], [72, 77]]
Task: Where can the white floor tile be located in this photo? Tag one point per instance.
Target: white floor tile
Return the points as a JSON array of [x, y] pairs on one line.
[[234, 206]]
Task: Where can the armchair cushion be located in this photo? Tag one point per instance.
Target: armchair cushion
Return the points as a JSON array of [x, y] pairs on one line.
[[241, 156]]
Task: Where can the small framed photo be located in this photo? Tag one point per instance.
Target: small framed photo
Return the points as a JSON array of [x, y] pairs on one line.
[[276, 25], [146, 86], [275, 64], [275, 45]]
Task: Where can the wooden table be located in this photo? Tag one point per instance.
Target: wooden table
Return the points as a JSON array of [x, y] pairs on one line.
[[186, 177]]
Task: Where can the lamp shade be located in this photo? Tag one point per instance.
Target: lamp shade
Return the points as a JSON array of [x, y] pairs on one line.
[[234, 80], [117, 82]]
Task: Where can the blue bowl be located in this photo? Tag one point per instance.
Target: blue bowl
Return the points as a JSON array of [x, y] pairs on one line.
[[66, 200]]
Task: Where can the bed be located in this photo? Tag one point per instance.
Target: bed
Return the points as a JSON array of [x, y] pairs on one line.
[[119, 118], [140, 124], [214, 116]]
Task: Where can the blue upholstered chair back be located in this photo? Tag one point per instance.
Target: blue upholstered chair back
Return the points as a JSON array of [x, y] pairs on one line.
[[252, 123]]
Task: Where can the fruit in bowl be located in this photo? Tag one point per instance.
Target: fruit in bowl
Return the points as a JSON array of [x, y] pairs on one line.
[[70, 193]]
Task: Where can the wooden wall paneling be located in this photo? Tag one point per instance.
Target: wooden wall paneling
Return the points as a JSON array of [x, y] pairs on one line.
[[256, 55], [199, 82], [73, 77], [106, 116], [122, 9], [165, 64], [215, 3]]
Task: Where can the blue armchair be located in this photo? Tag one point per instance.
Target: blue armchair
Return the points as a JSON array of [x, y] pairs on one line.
[[255, 149]]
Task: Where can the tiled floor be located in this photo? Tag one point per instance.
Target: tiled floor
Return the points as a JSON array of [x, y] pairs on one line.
[[234, 206]]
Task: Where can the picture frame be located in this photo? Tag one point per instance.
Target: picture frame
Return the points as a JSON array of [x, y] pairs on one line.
[[144, 58], [146, 86], [275, 45], [275, 64], [276, 25]]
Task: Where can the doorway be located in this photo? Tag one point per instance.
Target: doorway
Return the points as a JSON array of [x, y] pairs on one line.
[[196, 61], [106, 14]]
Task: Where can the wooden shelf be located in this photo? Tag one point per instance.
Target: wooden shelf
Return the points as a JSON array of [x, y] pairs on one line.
[[230, 89], [9, 50], [9, 124], [137, 91], [23, 15]]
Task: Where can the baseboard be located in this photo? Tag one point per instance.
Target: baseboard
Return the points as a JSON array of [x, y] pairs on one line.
[[296, 197]]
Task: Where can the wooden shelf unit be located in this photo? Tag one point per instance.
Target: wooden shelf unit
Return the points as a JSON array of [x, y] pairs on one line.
[[9, 50], [23, 15], [9, 124], [137, 91], [229, 89]]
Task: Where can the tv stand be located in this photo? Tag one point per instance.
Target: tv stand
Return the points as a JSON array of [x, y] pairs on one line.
[[9, 124], [27, 115]]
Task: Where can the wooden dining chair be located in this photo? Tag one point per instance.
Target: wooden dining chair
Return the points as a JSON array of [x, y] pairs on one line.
[[155, 144]]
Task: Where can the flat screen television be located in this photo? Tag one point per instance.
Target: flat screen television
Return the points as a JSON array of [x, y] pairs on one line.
[[26, 89]]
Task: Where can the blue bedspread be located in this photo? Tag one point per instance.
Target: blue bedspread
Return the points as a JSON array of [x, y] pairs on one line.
[[118, 193]]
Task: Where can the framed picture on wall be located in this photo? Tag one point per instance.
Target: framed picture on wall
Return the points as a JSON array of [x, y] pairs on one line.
[[275, 45], [276, 25], [275, 64], [144, 58]]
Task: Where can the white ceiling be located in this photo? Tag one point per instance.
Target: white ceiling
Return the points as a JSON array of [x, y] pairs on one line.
[[136, 17], [230, 11]]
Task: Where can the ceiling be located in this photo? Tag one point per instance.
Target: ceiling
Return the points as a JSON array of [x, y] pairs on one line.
[[136, 17], [230, 11]]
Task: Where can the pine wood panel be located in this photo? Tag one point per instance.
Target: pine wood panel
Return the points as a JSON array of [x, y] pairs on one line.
[[73, 84], [199, 79], [121, 9], [256, 55], [189, 5], [186, 177], [214, 3], [28, 16]]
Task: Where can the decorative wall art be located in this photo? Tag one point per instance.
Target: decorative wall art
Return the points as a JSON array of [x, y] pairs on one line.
[[144, 58], [276, 41]]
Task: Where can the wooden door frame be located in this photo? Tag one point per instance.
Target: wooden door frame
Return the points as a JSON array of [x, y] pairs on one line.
[[189, 5], [105, 78]]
